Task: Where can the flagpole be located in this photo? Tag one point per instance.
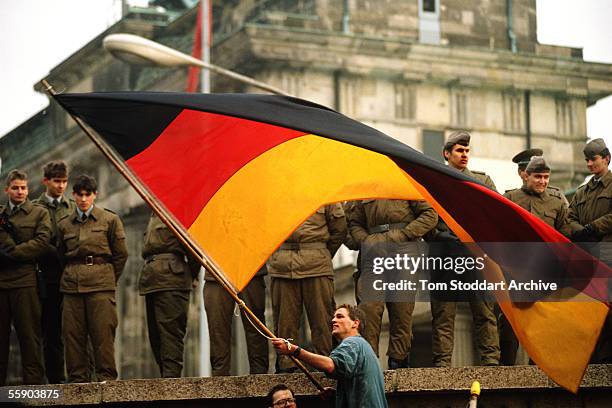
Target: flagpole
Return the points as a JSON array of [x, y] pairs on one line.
[[177, 229]]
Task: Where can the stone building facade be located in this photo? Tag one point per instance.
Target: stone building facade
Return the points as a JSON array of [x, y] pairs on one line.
[[414, 69]]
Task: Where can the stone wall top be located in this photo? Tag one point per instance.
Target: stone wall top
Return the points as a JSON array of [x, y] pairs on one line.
[[398, 384]]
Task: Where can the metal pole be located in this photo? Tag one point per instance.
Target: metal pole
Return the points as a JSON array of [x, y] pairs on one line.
[[177, 229], [206, 33]]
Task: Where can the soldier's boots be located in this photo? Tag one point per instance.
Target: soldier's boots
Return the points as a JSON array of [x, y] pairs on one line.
[[395, 364]]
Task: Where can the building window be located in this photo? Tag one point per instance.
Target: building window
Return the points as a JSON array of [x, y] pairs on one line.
[[405, 101], [291, 82], [459, 108], [433, 142], [348, 96], [429, 21], [429, 6], [565, 117], [514, 112]]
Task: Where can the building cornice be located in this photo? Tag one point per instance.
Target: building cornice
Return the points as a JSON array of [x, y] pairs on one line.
[[405, 60]]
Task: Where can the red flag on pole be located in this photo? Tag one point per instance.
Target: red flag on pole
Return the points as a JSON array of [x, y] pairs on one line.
[[193, 77]]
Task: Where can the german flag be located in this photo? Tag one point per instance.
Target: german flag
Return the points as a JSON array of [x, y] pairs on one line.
[[241, 172]]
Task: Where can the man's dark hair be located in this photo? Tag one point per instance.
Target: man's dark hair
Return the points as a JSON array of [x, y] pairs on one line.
[[85, 182], [277, 387], [16, 174], [55, 169], [354, 314]]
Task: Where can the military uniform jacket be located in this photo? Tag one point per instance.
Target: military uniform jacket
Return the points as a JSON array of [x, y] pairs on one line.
[[167, 266], [50, 262], [32, 228], [419, 216], [550, 209], [101, 235], [592, 204], [311, 247], [349, 242], [480, 176]]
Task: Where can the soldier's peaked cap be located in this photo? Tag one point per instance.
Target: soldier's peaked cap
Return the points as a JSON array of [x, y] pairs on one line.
[[522, 158], [460, 137], [595, 147], [537, 164]]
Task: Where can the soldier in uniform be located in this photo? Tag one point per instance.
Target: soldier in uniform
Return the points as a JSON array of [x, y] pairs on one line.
[[534, 197], [457, 152], [351, 244], [166, 281], [522, 159], [303, 276], [25, 230], [55, 180], [92, 243], [391, 221], [590, 215], [220, 312]]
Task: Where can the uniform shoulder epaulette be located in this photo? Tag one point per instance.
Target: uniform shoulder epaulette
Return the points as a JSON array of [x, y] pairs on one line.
[[581, 188], [511, 190], [479, 172], [555, 192], [110, 211]]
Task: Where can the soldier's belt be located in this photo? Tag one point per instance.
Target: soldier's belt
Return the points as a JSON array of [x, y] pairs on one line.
[[165, 255], [377, 229], [295, 246], [88, 260]]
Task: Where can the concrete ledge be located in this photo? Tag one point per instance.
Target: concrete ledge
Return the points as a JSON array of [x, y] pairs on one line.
[[450, 385]]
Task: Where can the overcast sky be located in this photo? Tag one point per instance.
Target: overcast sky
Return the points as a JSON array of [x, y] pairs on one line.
[[38, 35]]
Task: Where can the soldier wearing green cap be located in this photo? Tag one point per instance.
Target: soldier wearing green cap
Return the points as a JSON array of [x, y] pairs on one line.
[[590, 214], [533, 196], [522, 159], [456, 152]]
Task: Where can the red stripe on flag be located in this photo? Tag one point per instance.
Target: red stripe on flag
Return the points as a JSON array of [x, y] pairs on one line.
[[194, 156]]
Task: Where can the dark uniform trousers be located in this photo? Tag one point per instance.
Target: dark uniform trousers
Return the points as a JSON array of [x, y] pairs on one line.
[[483, 315], [316, 294], [508, 342], [485, 326], [53, 343], [167, 322], [220, 311], [94, 313], [400, 323], [21, 307], [400, 326]]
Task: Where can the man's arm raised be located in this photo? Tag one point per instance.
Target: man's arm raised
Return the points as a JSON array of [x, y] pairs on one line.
[[317, 361]]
